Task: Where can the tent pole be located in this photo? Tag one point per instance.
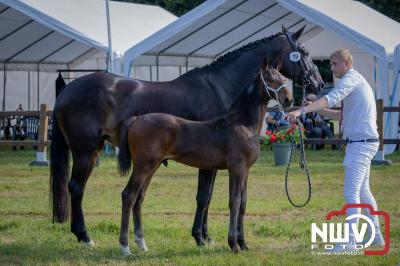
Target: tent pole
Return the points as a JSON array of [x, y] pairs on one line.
[[29, 90], [187, 63], [157, 65], [3, 108], [110, 60], [376, 96], [151, 73], [38, 85]]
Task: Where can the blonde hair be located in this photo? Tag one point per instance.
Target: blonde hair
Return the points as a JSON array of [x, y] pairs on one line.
[[344, 54]]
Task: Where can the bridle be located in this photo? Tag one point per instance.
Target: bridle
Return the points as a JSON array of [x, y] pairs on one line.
[[268, 88], [305, 80]]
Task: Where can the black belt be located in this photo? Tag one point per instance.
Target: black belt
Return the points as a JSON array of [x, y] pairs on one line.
[[348, 141]]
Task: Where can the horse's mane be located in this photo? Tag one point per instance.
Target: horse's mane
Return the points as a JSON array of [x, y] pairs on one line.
[[232, 54]]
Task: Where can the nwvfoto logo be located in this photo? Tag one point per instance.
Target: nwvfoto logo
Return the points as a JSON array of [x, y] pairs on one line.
[[332, 233]]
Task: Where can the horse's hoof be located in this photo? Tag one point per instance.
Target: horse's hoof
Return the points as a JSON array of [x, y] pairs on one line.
[[125, 250], [89, 244], [209, 240], [200, 243], [141, 243], [235, 249], [243, 247]]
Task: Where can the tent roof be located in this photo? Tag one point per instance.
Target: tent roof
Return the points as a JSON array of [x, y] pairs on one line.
[[219, 26], [60, 31]]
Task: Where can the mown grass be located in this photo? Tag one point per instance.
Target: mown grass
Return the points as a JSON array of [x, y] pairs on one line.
[[276, 232]]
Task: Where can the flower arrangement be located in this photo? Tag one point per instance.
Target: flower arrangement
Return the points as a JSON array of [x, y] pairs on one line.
[[285, 135]]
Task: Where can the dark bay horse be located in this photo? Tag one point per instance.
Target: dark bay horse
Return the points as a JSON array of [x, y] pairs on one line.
[[227, 142], [91, 109]]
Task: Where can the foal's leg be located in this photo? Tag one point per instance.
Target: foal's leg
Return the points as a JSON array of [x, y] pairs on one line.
[[206, 237], [236, 178], [242, 210], [203, 198], [83, 164], [137, 216], [135, 184]]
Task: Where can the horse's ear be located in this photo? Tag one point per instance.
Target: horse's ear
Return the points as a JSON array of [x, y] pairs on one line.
[[298, 33], [264, 64], [284, 29]]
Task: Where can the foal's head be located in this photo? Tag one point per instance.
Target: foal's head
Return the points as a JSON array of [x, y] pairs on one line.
[[274, 86]]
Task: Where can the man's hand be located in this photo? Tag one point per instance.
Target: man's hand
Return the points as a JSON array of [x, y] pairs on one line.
[[291, 117]]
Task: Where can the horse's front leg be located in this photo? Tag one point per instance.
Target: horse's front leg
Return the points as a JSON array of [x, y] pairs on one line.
[[237, 175], [203, 199], [242, 210]]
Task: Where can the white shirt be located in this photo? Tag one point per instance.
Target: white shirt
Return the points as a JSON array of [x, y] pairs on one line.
[[359, 108]]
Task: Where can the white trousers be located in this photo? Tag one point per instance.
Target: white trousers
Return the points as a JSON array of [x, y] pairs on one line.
[[357, 162]]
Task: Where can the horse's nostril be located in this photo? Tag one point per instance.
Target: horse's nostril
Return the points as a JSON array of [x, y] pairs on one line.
[[322, 85]]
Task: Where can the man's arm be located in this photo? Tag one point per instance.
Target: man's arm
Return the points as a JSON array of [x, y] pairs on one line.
[[332, 114]]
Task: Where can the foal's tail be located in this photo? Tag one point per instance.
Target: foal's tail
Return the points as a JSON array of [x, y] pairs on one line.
[[124, 156], [59, 174]]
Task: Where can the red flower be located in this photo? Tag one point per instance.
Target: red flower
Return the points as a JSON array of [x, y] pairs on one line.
[[282, 137], [268, 132], [289, 131], [273, 138]]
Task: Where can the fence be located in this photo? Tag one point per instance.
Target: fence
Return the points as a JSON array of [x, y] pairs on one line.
[[44, 114], [42, 142]]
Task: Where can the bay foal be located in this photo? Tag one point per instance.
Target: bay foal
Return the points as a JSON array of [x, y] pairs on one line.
[[228, 142]]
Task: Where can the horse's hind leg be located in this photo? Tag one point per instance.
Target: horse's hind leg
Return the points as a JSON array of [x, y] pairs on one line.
[[83, 164], [203, 198], [137, 217], [136, 182], [242, 210]]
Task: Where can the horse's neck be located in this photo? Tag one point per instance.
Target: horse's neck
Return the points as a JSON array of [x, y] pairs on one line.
[[229, 77]]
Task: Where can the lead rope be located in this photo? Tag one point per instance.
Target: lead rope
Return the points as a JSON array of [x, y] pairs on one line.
[[303, 163]]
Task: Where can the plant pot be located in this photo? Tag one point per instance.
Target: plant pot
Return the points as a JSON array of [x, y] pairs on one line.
[[281, 153]]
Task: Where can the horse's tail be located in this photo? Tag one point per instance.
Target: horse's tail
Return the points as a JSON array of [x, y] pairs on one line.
[[124, 156], [59, 173]]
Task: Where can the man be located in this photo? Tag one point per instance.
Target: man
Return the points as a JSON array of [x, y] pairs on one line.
[[358, 116]]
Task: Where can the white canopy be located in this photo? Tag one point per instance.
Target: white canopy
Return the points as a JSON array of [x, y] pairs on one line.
[[219, 26], [38, 36], [60, 31]]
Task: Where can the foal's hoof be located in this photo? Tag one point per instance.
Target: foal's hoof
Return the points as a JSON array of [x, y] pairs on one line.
[[208, 240], [141, 243], [125, 250], [89, 244], [235, 249], [200, 243]]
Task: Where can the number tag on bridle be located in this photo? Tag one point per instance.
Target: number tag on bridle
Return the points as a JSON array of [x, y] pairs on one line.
[[295, 56]]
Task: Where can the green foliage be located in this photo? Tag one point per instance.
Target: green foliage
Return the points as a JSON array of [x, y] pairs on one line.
[[177, 7], [390, 8]]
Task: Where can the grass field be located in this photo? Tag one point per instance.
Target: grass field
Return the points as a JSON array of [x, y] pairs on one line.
[[276, 232]]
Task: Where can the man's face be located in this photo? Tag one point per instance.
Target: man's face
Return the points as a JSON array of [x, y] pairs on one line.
[[339, 66]]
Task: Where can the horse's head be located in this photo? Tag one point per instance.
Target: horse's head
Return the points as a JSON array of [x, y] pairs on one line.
[[273, 85], [296, 62]]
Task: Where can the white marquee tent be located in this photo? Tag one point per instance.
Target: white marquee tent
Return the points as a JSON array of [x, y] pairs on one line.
[[219, 26], [64, 34]]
